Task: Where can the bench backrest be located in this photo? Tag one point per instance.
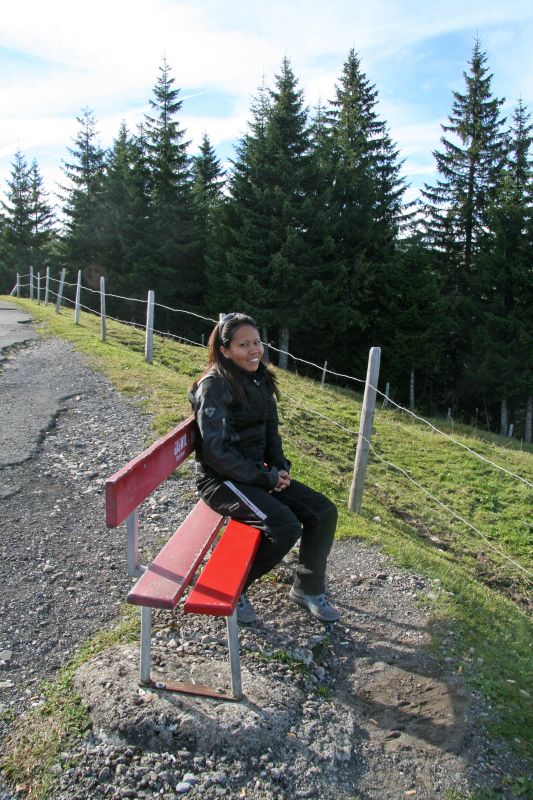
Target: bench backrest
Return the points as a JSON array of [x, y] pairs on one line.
[[131, 485]]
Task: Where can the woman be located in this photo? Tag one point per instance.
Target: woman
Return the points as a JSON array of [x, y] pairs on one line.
[[242, 472]]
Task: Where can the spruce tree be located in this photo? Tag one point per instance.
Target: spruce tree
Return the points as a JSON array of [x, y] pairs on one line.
[[412, 329], [140, 249], [122, 226], [28, 234], [208, 186], [238, 259], [266, 266], [457, 206], [18, 221], [44, 238], [176, 271], [501, 363], [469, 165], [363, 194], [83, 206], [208, 177]]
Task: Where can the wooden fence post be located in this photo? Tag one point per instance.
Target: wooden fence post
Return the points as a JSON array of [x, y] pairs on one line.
[[365, 430], [78, 297], [31, 283], [324, 368], [46, 285], [18, 284], [38, 288], [149, 341], [387, 395], [60, 290], [102, 308]]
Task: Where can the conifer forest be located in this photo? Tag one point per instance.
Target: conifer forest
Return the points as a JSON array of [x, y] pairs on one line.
[[308, 230]]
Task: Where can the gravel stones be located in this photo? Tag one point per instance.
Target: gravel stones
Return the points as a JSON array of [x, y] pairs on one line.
[[158, 720]]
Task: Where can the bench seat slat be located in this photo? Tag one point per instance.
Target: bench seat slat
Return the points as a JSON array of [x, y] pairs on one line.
[[169, 574], [220, 583]]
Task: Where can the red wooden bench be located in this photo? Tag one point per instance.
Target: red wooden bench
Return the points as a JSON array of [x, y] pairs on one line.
[[165, 580]]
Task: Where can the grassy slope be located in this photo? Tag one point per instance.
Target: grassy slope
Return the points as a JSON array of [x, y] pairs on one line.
[[479, 610]]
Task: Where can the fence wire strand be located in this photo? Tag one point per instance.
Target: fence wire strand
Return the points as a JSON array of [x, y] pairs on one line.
[[178, 338], [408, 411], [329, 419], [323, 370], [417, 484]]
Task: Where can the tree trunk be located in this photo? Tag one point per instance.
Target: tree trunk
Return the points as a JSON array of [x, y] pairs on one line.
[[265, 342], [529, 419], [504, 417], [412, 391], [283, 360]]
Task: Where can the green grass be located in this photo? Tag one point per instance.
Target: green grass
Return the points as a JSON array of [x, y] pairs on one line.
[[480, 611]]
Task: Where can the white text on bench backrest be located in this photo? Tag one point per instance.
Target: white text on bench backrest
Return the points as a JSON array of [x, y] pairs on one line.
[[180, 445]]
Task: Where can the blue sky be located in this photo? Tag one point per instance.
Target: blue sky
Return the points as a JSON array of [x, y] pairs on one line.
[[61, 55]]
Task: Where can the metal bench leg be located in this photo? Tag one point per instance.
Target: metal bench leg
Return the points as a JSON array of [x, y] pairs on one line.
[[234, 657], [146, 643], [135, 570], [190, 688]]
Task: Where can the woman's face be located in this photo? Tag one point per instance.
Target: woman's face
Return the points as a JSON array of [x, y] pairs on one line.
[[245, 349]]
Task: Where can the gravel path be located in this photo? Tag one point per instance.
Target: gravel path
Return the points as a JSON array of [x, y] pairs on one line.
[[356, 710]]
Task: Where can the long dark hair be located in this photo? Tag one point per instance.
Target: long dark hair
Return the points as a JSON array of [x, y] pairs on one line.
[[221, 336]]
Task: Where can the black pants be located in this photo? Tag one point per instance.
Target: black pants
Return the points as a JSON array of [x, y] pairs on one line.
[[284, 517]]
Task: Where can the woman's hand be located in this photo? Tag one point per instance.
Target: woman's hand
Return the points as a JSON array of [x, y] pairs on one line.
[[283, 480]]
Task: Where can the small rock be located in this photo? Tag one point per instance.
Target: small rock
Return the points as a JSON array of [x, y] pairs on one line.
[[6, 655], [48, 568], [104, 775], [393, 735], [183, 787]]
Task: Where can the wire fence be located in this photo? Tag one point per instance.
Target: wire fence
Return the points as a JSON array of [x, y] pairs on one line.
[[323, 371], [454, 514]]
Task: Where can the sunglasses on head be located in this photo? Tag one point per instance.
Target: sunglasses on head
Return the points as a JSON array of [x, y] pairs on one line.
[[235, 315]]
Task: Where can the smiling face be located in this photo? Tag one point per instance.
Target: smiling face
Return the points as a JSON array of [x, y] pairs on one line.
[[245, 348]]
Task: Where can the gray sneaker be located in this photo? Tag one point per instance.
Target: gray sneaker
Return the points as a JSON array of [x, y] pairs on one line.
[[245, 611], [317, 604]]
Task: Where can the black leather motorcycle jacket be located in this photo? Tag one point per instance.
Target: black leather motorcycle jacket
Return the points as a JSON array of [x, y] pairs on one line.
[[235, 442]]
